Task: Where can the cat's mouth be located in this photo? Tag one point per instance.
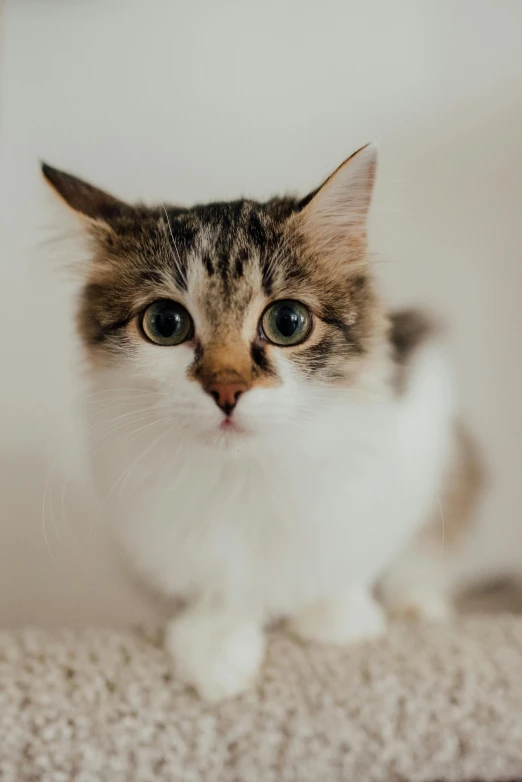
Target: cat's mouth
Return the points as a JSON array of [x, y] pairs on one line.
[[230, 426]]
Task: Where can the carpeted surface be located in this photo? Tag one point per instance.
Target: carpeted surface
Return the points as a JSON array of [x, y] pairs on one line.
[[426, 703]]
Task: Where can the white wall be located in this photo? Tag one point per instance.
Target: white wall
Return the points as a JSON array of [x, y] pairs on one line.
[[161, 99]]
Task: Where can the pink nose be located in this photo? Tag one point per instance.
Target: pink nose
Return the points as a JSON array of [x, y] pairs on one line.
[[226, 395]]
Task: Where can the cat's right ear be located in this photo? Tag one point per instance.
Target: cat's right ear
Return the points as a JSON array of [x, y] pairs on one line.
[[85, 200], [333, 218]]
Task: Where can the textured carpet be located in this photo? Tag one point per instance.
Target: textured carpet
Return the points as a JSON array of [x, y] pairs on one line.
[[426, 703]]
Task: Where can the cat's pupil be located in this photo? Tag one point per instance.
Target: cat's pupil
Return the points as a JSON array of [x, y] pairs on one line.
[[166, 323], [287, 321]]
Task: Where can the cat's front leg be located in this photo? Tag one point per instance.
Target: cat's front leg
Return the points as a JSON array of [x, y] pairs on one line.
[[346, 619], [219, 653]]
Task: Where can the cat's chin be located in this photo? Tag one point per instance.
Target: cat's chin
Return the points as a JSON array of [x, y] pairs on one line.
[[227, 436], [230, 427]]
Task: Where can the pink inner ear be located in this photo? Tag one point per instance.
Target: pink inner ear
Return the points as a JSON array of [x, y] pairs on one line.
[[334, 222], [343, 201]]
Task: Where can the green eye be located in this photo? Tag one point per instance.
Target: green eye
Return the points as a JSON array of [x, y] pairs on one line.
[[286, 323], [166, 323]]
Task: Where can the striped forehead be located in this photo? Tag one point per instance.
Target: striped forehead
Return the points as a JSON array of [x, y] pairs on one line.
[[223, 263], [225, 298], [225, 238]]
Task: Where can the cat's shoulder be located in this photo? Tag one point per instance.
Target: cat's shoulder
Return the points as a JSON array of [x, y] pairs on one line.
[[410, 330]]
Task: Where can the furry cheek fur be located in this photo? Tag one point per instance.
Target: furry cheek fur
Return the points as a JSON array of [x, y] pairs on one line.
[[194, 414], [296, 498]]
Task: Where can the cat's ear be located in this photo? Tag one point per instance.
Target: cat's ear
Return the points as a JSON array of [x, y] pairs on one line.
[[337, 212], [86, 200]]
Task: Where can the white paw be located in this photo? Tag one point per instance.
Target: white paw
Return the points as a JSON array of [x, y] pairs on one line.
[[347, 620], [419, 604], [218, 654]]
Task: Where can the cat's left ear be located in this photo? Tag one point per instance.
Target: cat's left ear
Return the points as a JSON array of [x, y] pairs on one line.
[[337, 212], [87, 201]]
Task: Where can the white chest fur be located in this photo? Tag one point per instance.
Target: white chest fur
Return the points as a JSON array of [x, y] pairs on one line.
[[276, 525]]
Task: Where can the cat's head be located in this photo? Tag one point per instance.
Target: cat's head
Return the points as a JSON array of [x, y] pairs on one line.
[[239, 318]]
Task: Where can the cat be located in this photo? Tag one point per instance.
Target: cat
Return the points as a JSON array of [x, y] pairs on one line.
[[286, 443]]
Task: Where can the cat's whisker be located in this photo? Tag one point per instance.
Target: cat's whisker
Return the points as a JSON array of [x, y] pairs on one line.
[[105, 500], [160, 465], [176, 405], [118, 440], [127, 392], [99, 413], [108, 412], [94, 424], [174, 248], [90, 453], [124, 418], [103, 404], [114, 442], [140, 457], [277, 256], [47, 497]]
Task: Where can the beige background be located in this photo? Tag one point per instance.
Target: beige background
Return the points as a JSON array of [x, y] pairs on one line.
[[185, 101]]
